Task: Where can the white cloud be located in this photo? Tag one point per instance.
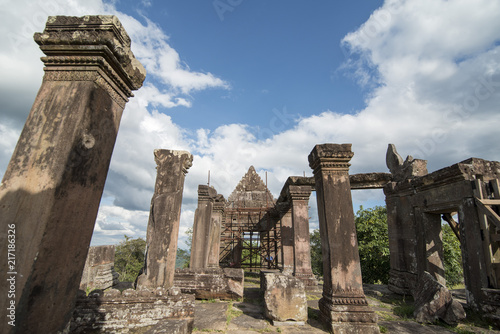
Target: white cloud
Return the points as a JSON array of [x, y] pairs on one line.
[[431, 68]]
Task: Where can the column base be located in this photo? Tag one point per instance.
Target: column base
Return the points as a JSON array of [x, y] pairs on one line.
[[309, 280], [348, 315]]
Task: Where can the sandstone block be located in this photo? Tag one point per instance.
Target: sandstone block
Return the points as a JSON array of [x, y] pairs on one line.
[[433, 301], [284, 297]]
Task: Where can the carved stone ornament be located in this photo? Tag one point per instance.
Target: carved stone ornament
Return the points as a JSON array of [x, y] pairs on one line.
[[91, 48]]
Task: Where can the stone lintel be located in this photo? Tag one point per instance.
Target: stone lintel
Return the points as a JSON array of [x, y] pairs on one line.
[[369, 180]]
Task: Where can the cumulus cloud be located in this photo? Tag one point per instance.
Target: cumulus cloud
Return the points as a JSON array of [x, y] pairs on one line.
[[430, 70]]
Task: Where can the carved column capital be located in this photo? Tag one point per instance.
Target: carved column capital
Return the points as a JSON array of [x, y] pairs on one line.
[[219, 204], [91, 48], [299, 193], [331, 158], [206, 193]]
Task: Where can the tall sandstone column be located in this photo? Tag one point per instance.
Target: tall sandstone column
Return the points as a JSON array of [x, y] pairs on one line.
[[299, 202], [217, 214], [200, 246], [51, 190], [164, 219], [287, 241], [343, 307]]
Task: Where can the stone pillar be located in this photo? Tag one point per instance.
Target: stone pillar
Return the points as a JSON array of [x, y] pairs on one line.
[[217, 214], [200, 247], [164, 219], [99, 272], [402, 242], [53, 184], [299, 201], [429, 245], [287, 241], [343, 307]]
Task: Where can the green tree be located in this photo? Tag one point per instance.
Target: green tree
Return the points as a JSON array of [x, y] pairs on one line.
[[182, 258], [373, 243], [316, 259], [452, 255], [129, 258]]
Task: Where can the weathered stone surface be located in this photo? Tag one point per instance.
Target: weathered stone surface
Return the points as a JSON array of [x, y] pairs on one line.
[[53, 185], [210, 316], [98, 272], [415, 204], [164, 219], [116, 312], [250, 192], [433, 301], [170, 326], [211, 283], [216, 221], [202, 226], [403, 170], [344, 308], [284, 297]]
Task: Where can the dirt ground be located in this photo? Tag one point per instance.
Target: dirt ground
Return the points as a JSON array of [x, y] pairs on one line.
[[394, 313]]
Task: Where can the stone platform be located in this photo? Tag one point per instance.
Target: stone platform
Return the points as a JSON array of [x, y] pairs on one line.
[[211, 283]]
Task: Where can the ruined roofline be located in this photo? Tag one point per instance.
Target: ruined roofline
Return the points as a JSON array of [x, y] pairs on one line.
[[251, 182], [466, 170]]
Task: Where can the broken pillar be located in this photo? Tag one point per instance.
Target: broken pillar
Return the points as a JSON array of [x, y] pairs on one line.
[[285, 299], [99, 272], [200, 247], [343, 307], [164, 219], [299, 202], [217, 216], [50, 193]]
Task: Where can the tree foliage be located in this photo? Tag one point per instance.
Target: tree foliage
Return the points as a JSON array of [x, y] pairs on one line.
[[316, 259], [373, 243], [452, 255], [129, 258], [182, 259]]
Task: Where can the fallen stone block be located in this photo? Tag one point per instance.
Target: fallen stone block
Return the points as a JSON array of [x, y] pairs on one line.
[[433, 301], [284, 298], [211, 283]]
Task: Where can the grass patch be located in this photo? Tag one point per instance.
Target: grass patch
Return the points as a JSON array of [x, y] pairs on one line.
[[383, 329], [208, 301], [386, 316], [404, 311], [313, 297], [232, 313]]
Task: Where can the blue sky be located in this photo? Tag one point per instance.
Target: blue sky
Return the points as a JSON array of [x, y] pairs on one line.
[[271, 54], [261, 82]]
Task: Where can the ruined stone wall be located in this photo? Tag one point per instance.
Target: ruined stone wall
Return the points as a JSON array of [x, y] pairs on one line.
[[211, 283], [113, 311]]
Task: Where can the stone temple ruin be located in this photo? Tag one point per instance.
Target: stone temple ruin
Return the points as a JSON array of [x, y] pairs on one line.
[[50, 194]]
